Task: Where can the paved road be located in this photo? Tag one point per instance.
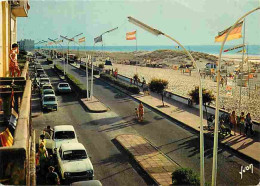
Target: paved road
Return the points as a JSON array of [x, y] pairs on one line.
[[111, 167], [180, 144]]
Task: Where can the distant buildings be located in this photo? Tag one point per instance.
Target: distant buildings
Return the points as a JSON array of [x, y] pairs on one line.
[[26, 44]]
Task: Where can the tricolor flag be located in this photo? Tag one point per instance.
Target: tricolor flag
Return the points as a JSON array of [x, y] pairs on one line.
[[98, 39], [81, 39], [131, 35], [234, 34], [241, 51], [233, 48]]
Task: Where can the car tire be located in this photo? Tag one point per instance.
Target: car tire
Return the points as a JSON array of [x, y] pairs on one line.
[[91, 178]]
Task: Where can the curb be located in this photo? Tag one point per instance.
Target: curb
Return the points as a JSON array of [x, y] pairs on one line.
[[136, 160], [183, 125], [91, 110]]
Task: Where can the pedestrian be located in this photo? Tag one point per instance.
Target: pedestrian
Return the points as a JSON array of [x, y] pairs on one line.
[[233, 121], [249, 124], [52, 177], [14, 68], [143, 83], [49, 130], [141, 112], [136, 113], [131, 81], [241, 121], [43, 154]]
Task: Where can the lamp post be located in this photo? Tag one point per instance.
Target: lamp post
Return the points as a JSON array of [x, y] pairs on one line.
[[157, 33], [215, 148]]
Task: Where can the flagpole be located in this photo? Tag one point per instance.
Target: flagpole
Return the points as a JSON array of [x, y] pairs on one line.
[[136, 40], [248, 66], [241, 69]]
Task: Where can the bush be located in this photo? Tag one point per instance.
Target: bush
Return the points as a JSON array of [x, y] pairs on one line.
[[131, 88], [185, 176], [158, 85], [101, 66]]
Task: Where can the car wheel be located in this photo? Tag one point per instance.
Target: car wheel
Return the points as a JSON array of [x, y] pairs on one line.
[[91, 178]]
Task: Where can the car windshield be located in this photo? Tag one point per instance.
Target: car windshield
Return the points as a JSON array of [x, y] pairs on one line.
[[74, 154], [49, 98], [64, 85], [46, 92], [47, 87], [64, 135], [44, 81]]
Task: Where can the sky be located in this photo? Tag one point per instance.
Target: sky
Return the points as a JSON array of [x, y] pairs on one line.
[[191, 22]]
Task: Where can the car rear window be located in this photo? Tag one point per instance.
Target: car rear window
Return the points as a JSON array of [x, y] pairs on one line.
[[49, 98], [64, 135], [64, 85], [48, 92]]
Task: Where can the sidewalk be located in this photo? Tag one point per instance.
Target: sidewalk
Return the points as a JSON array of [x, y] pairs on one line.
[[152, 161], [189, 117]]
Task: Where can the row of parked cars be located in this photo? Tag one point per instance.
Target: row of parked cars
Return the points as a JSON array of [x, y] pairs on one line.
[[43, 83], [72, 158]]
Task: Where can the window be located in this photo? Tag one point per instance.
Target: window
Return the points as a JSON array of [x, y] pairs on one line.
[[49, 98], [64, 135], [74, 154]]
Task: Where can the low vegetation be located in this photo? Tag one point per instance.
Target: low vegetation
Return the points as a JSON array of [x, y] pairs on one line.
[[131, 88], [185, 176]]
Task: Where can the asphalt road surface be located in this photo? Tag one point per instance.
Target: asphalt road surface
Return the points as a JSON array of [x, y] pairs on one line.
[[97, 131]]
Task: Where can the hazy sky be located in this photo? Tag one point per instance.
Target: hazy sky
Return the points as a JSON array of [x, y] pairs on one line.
[[192, 22]]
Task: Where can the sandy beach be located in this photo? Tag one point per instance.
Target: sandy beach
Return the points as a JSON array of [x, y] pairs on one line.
[[182, 84]]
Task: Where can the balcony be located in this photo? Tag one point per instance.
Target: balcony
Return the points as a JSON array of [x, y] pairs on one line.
[[20, 8]]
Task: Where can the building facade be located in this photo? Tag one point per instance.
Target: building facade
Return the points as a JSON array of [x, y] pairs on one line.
[[26, 44], [9, 11]]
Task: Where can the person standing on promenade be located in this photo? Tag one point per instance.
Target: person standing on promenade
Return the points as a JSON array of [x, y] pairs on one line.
[[233, 121], [241, 121], [249, 124], [52, 177], [141, 112]]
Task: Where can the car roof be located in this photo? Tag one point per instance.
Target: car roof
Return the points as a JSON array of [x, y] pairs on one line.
[[49, 95], [45, 78], [46, 90], [45, 85], [63, 83], [72, 146], [64, 128], [87, 183]]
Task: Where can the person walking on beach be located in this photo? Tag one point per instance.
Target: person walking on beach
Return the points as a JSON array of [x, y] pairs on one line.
[[249, 124], [233, 121], [52, 177], [141, 112]]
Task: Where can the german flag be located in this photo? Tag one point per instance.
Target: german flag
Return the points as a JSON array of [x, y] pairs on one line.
[[234, 34], [82, 40], [131, 35]]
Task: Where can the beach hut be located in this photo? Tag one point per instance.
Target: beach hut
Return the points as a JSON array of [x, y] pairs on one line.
[[108, 62]]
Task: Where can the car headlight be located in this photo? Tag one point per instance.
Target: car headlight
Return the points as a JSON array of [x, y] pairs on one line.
[[66, 174], [90, 172]]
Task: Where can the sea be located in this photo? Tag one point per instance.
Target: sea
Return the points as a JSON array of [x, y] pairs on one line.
[[210, 49]]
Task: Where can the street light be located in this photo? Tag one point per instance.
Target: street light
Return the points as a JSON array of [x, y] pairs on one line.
[[215, 148], [157, 33], [53, 40]]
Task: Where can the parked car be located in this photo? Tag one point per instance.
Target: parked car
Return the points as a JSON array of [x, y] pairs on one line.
[[39, 72], [61, 134], [47, 92], [43, 76], [74, 162], [87, 183], [64, 87], [49, 102], [46, 86], [44, 81]]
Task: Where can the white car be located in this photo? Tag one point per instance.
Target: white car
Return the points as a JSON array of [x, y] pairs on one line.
[[49, 102], [44, 81], [61, 134], [46, 86], [47, 92], [74, 162], [64, 87]]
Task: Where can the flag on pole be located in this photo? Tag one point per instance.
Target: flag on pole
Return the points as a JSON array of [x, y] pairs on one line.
[[234, 34], [131, 35], [81, 39], [50, 43], [98, 39], [177, 46], [57, 42], [241, 51], [234, 48]]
